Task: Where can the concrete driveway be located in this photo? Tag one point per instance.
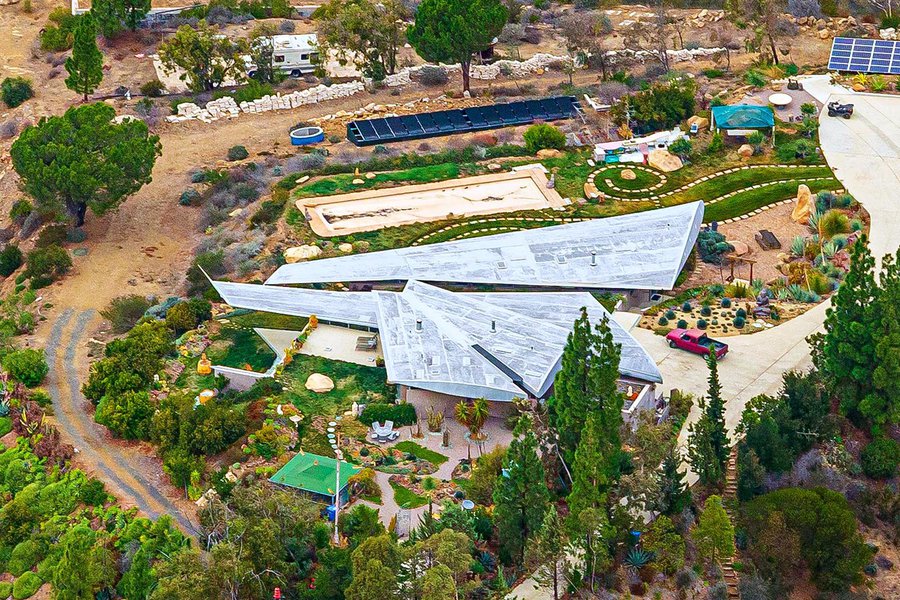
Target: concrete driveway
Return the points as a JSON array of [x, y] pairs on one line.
[[864, 152]]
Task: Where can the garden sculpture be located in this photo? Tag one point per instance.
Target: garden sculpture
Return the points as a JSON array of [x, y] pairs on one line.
[[762, 309]]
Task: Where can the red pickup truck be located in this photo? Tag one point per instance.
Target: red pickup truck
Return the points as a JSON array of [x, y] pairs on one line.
[[696, 341]]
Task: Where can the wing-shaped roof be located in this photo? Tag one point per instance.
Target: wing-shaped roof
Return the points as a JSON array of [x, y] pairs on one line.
[[496, 345], [644, 250]]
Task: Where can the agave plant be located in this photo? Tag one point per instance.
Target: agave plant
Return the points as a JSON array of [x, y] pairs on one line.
[[434, 419], [829, 249], [798, 245], [813, 221], [472, 415], [637, 559], [796, 292]]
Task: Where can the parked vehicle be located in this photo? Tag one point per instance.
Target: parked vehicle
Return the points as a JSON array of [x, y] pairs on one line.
[[696, 341], [836, 109], [296, 55]]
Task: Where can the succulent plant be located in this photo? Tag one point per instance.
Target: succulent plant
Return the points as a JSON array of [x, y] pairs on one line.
[[637, 559]]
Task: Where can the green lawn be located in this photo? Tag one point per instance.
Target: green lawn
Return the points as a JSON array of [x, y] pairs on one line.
[[407, 499], [435, 458], [719, 186], [340, 184], [351, 382], [743, 203], [238, 347], [268, 320], [642, 179]]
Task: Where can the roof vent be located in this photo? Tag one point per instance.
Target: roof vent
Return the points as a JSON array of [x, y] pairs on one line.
[[418, 324], [493, 326], [501, 264], [561, 259], [593, 258]]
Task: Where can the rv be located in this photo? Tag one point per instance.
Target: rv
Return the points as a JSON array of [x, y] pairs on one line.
[[293, 54]]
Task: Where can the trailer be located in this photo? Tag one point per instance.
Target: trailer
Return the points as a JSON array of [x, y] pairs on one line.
[[295, 55]]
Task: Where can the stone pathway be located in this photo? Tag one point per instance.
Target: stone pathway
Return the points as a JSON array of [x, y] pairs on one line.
[[728, 574]]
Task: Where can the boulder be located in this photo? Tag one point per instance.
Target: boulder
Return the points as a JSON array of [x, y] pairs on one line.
[[319, 383], [357, 181], [590, 191], [345, 248], [745, 151], [824, 34], [298, 253], [740, 248], [549, 153], [702, 122], [804, 205], [628, 175], [664, 160]]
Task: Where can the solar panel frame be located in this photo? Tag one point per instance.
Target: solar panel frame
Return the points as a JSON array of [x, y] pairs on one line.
[[865, 56]]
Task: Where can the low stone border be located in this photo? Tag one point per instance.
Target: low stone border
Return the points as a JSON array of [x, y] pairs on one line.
[[662, 178]]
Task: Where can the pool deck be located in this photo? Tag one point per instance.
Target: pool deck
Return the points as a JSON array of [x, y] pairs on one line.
[[339, 343], [369, 210]]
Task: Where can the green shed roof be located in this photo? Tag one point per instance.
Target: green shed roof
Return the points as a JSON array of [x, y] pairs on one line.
[[313, 473], [742, 116]]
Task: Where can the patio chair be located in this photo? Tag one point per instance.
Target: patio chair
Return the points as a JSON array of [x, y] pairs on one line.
[[365, 342]]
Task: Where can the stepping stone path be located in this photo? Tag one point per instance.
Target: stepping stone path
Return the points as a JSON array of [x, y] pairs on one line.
[[633, 168], [728, 574]]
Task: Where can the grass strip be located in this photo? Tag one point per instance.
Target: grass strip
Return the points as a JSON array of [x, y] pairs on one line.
[[421, 452]]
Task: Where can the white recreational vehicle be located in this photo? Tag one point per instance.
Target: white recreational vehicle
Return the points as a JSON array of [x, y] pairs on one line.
[[293, 54]]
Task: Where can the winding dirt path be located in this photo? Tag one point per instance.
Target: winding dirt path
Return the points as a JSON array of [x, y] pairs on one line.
[[123, 467]]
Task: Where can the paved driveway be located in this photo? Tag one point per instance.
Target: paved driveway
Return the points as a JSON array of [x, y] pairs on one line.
[[864, 152]]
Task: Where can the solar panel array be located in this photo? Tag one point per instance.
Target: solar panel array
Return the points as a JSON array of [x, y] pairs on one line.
[[447, 122], [865, 56]]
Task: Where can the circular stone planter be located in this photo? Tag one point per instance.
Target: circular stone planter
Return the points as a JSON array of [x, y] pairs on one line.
[[307, 135]]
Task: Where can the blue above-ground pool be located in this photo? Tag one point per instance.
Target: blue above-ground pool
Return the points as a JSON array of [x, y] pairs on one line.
[[307, 135]]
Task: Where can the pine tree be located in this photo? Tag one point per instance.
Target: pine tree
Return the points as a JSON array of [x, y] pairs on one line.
[[590, 471], [586, 384], [848, 355], [882, 405], [708, 440], [547, 551], [714, 533], [520, 496], [85, 66], [675, 496]]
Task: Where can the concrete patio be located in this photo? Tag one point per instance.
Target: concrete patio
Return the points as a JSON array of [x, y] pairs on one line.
[[339, 343]]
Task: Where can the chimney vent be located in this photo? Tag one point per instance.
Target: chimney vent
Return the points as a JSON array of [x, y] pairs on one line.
[[418, 324], [493, 326], [593, 258]]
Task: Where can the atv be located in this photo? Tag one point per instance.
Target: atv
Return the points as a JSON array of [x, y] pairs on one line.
[[836, 109]]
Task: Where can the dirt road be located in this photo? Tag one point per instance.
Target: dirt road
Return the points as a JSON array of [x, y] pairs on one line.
[[127, 470]]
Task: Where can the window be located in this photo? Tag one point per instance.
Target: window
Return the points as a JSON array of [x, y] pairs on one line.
[[304, 57], [278, 58]]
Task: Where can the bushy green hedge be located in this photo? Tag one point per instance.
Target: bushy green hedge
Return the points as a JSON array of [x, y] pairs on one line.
[[10, 259], [46, 265], [27, 365], [15, 91], [880, 458], [26, 585], [5, 589], [543, 136], [24, 557], [400, 414]]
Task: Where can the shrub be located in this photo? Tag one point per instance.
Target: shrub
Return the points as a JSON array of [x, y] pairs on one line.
[[58, 34], [400, 414], [20, 210], [92, 493], [755, 78], [726, 302], [26, 365], [741, 313], [663, 321], [713, 73], [153, 88], [51, 235], [15, 91], [124, 312], [739, 322], [6, 589], [432, 76], [10, 259], [716, 143], [252, 91], [45, 265], [24, 557], [26, 585], [682, 324], [185, 316], [542, 135], [237, 153], [670, 314], [880, 458], [686, 307], [701, 324], [712, 246], [705, 311], [189, 197]]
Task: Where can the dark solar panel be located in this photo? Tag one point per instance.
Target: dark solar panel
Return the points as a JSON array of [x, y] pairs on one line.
[[410, 127], [865, 56]]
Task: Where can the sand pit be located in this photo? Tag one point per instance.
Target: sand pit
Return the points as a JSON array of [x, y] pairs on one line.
[[470, 196]]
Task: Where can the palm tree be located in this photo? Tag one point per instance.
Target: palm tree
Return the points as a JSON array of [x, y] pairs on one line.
[[429, 485], [472, 415]]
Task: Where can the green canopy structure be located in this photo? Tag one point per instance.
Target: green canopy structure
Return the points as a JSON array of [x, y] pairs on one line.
[[315, 475], [742, 119]]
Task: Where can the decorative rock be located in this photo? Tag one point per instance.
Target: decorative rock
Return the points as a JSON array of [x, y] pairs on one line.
[[370, 175], [298, 253], [701, 122], [319, 383], [345, 247], [740, 248], [591, 191], [549, 153], [628, 175], [303, 179], [358, 181], [495, 167], [745, 151], [664, 160], [804, 205]]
